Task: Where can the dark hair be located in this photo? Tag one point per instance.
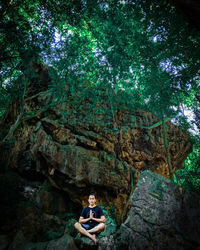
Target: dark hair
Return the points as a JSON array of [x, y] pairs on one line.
[[93, 195]]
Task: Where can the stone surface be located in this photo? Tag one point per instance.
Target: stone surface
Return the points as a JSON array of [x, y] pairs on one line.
[[84, 242], [4, 242], [24, 218], [80, 157], [66, 242], [60, 155], [160, 217]]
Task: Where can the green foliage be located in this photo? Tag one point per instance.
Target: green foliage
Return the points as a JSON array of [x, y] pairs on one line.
[[189, 176], [69, 226], [138, 46], [109, 210], [103, 57]]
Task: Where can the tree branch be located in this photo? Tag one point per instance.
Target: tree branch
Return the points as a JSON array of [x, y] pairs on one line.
[[17, 122], [156, 124], [40, 93], [30, 115]]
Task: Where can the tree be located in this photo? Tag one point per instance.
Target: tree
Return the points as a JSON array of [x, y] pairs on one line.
[[135, 54]]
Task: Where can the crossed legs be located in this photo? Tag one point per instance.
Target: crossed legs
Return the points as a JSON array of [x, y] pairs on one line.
[[100, 227]]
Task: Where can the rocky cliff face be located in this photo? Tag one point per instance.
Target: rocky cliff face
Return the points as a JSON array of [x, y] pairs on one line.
[[161, 217], [59, 159]]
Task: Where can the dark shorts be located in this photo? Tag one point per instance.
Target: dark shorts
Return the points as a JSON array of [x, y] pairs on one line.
[[87, 226]]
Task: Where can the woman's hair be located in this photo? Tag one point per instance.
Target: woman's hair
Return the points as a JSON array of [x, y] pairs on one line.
[[93, 195]]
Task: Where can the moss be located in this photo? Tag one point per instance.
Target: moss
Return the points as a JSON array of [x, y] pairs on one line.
[[69, 227], [157, 189]]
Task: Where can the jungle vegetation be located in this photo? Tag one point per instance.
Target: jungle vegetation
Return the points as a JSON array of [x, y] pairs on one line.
[[96, 49]]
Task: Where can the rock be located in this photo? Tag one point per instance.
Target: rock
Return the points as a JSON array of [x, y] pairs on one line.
[[110, 226], [160, 216], [104, 238], [106, 243], [79, 160], [69, 226], [31, 211], [65, 242], [50, 201], [85, 243], [4, 242], [18, 241], [11, 194], [35, 246], [78, 154]]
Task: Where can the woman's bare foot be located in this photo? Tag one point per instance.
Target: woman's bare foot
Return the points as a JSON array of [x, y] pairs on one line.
[[94, 239]]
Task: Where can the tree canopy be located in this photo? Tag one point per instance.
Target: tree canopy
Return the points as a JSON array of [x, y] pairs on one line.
[[103, 48]]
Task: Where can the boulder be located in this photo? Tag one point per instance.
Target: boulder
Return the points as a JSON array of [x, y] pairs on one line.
[[161, 217], [65, 242], [4, 242], [84, 242]]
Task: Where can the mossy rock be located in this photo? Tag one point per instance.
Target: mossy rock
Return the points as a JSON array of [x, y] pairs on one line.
[[51, 235], [84, 242], [69, 227], [63, 243], [35, 246], [110, 226]]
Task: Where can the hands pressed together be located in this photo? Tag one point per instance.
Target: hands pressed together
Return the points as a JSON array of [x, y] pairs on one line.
[[91, 215]]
